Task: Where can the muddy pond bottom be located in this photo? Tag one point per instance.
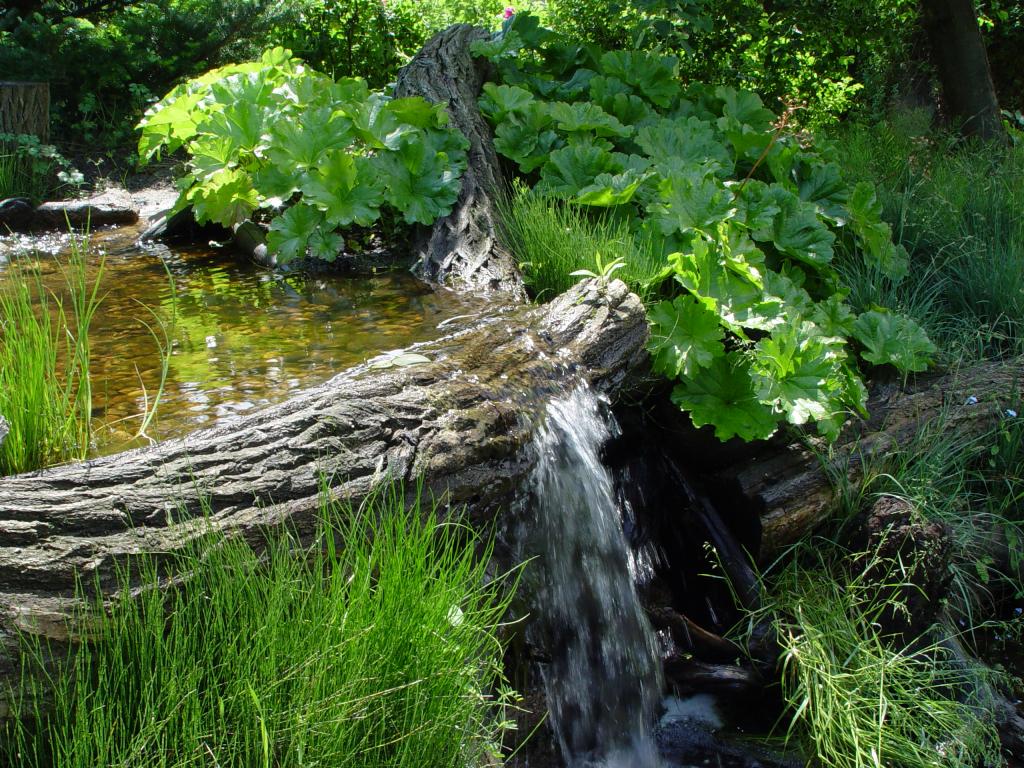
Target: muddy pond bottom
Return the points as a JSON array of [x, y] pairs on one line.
[[239, 337]]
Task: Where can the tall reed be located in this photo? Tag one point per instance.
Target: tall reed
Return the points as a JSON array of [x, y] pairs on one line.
[[376, 646], [45, 392]]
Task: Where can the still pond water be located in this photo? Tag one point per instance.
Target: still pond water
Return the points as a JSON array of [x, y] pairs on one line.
[[241, 337]]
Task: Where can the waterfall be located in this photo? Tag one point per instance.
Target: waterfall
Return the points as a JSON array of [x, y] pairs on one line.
[[603, 678]]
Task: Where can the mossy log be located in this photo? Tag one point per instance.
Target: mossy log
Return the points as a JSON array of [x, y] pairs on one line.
[[460, 422], [792, 488], [462, 249]]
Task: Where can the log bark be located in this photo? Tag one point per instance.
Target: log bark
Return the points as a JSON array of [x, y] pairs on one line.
[[792, 488], [25, 108], [460, 422], [462, 249]]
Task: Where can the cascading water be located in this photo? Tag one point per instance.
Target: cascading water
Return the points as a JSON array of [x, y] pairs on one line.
[[603, 680]]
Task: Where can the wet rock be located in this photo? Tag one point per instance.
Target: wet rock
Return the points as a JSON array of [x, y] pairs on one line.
[[16, 214], [693, 732], [250, 239], [907, 560], [82, 213]]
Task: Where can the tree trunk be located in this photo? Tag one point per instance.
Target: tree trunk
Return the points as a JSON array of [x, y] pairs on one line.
[[462, 249], [460, 422], [792, 488], [25, 108], [962, 64]]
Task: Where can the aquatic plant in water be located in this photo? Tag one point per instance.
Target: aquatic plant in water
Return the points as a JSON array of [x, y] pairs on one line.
[[45, 390]]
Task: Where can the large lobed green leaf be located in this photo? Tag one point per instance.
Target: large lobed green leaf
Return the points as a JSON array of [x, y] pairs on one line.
[[313, 154], [685, 337]]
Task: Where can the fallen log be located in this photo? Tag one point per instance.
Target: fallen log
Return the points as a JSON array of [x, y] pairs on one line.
[[462, 249], [792, 489], [458, 419]]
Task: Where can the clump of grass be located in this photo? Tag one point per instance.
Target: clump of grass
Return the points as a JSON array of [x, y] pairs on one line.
[[956, 207], [857, 701], [971, 483], [552, 239], [45, 391], [377, 646], [858, 698]]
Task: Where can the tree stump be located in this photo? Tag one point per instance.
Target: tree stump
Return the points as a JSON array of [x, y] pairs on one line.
[[25, 108], [462, 249]]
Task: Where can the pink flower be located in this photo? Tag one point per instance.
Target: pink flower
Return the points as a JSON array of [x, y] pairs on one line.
[[509, 12]]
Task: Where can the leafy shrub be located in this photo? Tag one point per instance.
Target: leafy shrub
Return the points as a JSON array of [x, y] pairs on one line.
[[29, 168], [823, 54], [371, 38], [272, 132], [106, 61], [754, 328], [955, 206]]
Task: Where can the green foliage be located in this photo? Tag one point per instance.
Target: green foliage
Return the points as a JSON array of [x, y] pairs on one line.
[[722, 395], [954, 208], [825, 54], [369, 38], [972, 484], [378, 645], [893, 339], [105, 62], [268, 133], [29, 168], [686, 336], [856, 699], [747, 219], [45, 390], [553, 239]]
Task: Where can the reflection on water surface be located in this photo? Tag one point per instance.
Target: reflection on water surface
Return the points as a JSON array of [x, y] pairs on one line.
[[242, 337]]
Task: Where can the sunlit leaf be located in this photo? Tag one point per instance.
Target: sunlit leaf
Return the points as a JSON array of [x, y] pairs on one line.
[[692, 200], [796, 370], [290, 233], [300, 144], [685, 337], [690, 141], [587, 117], [226, 197], [608, 190], [891, 339], [723, 396], [573, 168], [656, 77], [798, 232], [346, 189]]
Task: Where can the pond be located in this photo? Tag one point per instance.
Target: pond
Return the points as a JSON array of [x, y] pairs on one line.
[[241, 337]]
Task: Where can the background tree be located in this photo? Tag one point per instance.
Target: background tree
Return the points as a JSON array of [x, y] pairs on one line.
[[962, 66]]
